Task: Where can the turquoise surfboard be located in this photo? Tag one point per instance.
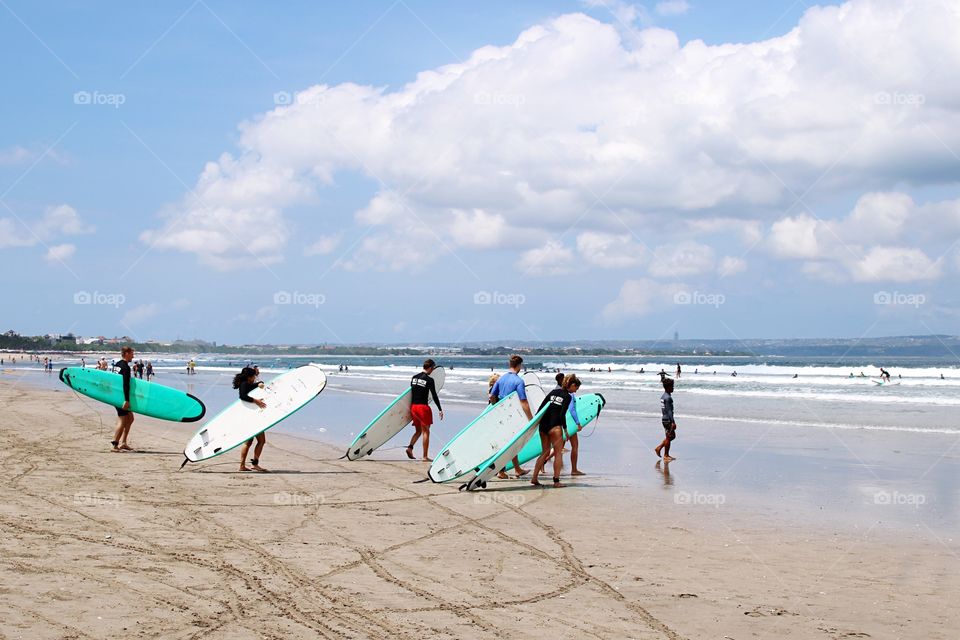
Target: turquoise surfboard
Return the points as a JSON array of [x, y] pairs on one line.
[[588, 408], [146, 398]]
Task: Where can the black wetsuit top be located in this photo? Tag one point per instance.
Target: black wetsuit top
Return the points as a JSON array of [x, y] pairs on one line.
[[558, 402], [124, 370], [246, 388], [422, 387]]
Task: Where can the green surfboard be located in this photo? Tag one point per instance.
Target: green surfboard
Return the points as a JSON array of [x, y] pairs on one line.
[[588, 408], [146, 398]]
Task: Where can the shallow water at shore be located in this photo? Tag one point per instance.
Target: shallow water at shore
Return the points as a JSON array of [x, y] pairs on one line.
[[855, 467]]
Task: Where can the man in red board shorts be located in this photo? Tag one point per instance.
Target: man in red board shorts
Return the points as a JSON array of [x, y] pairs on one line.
[[422, 387]]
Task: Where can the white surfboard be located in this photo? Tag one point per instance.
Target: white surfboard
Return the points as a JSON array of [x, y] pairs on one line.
[[390, 422], [502, 458], [486, 435], [284, 395]]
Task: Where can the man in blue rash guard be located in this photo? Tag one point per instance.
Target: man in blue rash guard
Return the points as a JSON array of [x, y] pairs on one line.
[[504, 386]]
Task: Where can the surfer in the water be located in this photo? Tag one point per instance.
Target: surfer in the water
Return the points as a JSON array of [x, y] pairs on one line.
[[669, 424], [245, 382], [504, 386], [124, 415], [422, 387], [553, 428]]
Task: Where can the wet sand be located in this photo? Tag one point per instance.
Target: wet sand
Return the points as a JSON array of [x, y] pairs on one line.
[[105, 545]]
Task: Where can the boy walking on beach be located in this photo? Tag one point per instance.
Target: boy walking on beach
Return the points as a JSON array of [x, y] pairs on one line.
[[669, 424]]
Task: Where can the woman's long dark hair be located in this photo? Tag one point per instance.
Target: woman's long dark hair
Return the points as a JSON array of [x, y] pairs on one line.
[[242, 376]]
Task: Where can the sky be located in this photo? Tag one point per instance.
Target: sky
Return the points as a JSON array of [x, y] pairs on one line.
[[409, 171]]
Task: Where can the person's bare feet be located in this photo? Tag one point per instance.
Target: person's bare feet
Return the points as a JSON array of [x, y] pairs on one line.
[[577, 473], [668, 458], [257, 467], [116, 450], [125, 447], [427, 459], [536, 483], [503, 475], [244, 467], [558, 485], [522, 472], [410, 453], [657, 451]]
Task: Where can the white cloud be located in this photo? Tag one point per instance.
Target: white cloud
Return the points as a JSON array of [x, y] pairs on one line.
[[682, 259], [55, 222], [609, 251], [323, 246], [531, 133], [795, 237], [872, 243], [641, 297], [896, 264], [672, 7], [60, 252], [552, 259]]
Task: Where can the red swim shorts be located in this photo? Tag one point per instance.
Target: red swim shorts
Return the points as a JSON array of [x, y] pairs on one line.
[[422, 415]]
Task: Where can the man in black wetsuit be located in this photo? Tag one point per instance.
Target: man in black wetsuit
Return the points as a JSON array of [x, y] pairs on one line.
[[124, 415], [422, 387]]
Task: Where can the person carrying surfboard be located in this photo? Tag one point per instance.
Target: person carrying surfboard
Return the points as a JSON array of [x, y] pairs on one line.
[[422, 387], [553, 428], [245, 382], [124, 415], [504, 386]]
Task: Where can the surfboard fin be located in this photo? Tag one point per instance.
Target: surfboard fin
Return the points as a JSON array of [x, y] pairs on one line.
[[185, 461]]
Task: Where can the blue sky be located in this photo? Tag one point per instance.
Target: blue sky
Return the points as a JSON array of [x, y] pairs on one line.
[[421, 171]]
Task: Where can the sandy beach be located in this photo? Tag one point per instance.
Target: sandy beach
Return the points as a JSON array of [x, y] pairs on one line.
[[102, 545]]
